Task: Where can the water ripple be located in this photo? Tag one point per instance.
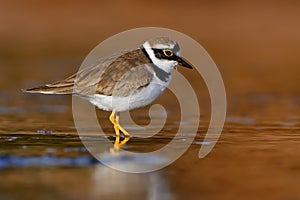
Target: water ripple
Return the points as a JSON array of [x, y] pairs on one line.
[[42, 161]]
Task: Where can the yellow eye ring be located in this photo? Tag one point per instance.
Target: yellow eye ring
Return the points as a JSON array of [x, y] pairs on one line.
[[168, 53]]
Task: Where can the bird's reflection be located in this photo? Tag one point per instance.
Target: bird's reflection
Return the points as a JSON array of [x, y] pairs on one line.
[[114, 184]]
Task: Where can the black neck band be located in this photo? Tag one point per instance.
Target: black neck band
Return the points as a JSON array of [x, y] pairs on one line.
[[161, 74]]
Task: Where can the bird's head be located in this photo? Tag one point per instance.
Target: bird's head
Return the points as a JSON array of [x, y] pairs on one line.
[[164, 53]]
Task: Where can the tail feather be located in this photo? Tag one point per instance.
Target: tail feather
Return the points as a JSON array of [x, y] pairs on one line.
[[60, 87]]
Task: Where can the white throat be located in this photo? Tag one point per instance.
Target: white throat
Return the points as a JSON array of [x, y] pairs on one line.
[[166, 65]]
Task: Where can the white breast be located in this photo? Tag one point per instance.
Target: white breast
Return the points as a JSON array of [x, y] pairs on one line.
[[140, 99]]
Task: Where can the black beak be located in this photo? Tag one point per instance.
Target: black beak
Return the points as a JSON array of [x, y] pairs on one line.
[[183, 63]]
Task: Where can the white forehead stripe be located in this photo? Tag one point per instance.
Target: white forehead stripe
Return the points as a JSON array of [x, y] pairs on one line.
[[163, 46]]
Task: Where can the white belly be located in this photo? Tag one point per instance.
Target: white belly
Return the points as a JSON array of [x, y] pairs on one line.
[[140, 99]]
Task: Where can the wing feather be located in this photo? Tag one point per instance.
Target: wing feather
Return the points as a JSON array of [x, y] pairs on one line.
[[122, 74]]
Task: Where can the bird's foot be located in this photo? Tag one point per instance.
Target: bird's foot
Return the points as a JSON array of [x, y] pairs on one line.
[[119, 145]]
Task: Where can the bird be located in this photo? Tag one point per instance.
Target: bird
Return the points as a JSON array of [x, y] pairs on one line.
[[124, 81]]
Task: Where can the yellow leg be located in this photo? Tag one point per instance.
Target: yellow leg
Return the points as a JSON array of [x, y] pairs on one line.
[[115, 123], [120, 127], [114, 118]]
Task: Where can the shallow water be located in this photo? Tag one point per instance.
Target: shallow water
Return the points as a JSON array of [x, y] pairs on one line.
[[42, 156]]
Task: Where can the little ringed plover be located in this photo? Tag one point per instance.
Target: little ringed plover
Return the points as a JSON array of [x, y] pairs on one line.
[[131, 80]]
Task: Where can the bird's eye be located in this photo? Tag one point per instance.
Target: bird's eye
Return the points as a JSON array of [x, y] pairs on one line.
[[168, 53]]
